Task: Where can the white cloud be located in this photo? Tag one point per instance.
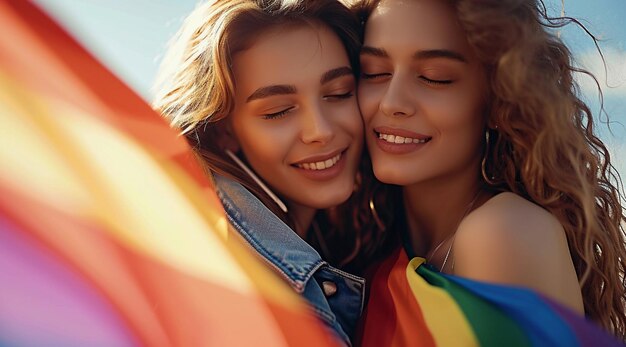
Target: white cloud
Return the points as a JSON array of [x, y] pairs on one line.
[[613, 81]]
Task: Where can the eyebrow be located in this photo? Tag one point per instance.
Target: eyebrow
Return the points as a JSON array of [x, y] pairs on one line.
[[268, 91], [427, 54], [335, 73], [284, 89], [377, 52], [440, 53]]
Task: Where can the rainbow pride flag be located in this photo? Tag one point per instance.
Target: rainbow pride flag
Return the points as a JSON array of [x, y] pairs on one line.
[[110, 234], [411, 304]]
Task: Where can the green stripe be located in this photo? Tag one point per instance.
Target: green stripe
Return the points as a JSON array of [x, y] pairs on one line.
[[491, 326]]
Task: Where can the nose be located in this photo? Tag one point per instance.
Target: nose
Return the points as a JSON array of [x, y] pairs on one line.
[[397, 100], [317, 126]]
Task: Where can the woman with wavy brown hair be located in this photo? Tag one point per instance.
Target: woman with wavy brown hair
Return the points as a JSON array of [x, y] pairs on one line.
[[472, 109], [264, 90]]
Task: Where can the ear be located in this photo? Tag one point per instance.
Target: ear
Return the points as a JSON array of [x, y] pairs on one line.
[[225, 137]]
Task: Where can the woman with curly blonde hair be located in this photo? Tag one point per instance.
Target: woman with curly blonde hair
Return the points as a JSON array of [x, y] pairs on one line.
[[472, 109], [265, 91]]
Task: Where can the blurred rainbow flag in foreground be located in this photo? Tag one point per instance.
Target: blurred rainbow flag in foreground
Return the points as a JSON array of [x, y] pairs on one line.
[[110, 234]]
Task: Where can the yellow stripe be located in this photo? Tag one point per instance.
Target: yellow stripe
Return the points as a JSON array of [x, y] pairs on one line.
[[443, 316]]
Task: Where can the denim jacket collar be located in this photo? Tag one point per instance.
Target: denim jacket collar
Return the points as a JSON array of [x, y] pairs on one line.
[[274, 240]]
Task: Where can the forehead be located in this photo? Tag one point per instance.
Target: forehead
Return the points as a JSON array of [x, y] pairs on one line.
[[429, 23], [289, 55]]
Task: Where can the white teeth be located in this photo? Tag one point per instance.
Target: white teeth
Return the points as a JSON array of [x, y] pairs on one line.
[[400, 139], [320, 165]]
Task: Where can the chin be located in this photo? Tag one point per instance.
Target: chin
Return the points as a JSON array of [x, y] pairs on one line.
[[390, 175], [332, 199]]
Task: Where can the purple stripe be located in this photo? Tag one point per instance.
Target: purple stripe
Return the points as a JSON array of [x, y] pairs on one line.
[[44, 303], [587, 334]]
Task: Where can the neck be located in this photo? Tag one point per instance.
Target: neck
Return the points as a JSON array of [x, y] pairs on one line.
[[302, 216], [435, 209]]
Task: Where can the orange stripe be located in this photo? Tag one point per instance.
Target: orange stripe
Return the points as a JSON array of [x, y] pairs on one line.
[[196, 313]]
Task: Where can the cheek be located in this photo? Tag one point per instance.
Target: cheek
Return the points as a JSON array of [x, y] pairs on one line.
[[354, 120], [369, 100], [354, 126], [459, 111], [264, 156], [259, 141], [346, 117], [464, 133], [261, 147]]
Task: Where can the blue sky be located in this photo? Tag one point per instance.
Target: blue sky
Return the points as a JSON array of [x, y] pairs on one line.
[[130, 36], [605, 19]]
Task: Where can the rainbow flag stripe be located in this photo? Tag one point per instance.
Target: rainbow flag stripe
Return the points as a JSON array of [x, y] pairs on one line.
[[110, 233], [411, 304]]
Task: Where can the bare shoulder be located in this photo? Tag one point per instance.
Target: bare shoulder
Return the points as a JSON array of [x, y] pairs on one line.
[[510, 240], [509, 217]]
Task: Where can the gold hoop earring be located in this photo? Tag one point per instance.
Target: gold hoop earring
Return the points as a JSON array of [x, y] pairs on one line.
[[377, 219], [489, 179]]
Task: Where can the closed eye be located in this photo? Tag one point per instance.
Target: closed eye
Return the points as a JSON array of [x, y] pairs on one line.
[[279, 114], [433, 81], [343, 96], [367, 76]]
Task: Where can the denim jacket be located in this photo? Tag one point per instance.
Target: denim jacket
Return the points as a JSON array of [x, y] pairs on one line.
[[336, 297]]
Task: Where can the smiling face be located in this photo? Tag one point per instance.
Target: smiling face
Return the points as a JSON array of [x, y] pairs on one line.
[[296, 118], [422, 93]]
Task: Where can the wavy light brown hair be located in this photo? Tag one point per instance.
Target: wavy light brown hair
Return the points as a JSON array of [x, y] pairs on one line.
[[195, 92], [542, 143]]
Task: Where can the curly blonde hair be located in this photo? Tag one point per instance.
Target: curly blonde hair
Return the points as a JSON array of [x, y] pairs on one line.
[[542, 143]]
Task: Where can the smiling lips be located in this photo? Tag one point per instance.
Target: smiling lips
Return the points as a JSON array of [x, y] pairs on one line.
[[399, 136], [321, 165], [397, 139]]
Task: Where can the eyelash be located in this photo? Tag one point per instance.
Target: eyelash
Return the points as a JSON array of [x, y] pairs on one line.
[[373, 76], [344, 96], [423, 78], [277, 115], [431, 81], [280, 114]]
